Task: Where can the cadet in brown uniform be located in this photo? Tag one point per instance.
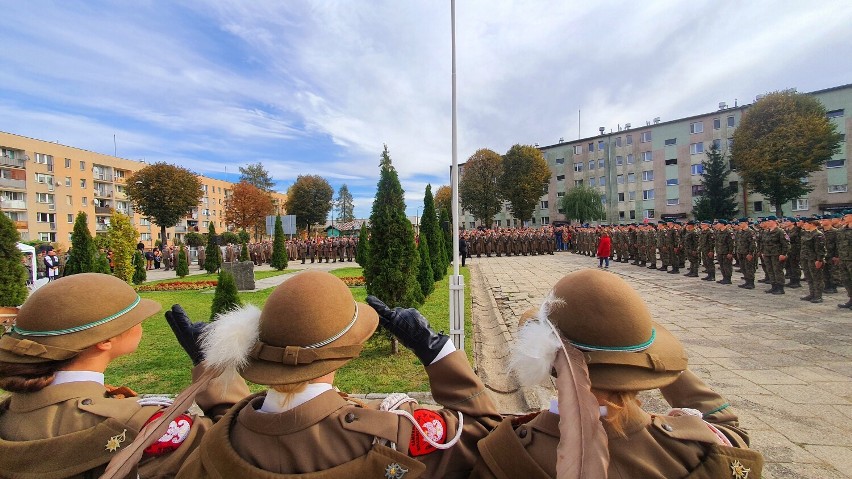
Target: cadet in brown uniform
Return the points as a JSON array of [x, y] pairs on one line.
[[626, 352], [61, 421], [308, 329]]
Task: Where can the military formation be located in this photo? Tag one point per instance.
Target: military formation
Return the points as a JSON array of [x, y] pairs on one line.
[[330, 250], [787, 250], [510, 242]]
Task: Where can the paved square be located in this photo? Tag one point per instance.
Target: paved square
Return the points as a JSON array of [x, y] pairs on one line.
[[785, 364]]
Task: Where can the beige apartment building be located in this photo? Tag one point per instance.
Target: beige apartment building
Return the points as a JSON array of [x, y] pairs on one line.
[[653, 170], [43, 185]]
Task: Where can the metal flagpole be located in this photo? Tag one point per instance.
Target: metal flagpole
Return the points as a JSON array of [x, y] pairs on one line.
[[456, 280]]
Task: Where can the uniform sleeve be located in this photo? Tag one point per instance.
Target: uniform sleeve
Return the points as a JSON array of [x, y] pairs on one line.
[[688, 391], [819, 247], [784, 239]]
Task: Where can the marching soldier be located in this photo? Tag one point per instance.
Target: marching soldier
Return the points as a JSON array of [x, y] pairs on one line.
[[812, 257]]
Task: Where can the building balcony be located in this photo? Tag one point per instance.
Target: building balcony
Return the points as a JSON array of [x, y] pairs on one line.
[[119, 179], [101, 227], [103, 194], [22, 225], [16, 162], [13, 204], [11, 183], [103, 210], [180, 229]]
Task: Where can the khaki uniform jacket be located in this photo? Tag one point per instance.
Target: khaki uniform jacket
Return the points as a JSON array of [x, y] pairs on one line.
[[655, 447], [331, 437], [68, 430]]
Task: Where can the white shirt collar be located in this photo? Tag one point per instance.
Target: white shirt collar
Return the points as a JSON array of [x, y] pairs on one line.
[[276, 402], [62, 377]]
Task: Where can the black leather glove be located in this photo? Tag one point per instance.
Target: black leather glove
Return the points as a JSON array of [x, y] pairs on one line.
[[187, 333], [411, 328]]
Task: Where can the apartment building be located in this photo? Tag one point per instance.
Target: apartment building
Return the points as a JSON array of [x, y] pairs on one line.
[[654, 170], [43, 185]]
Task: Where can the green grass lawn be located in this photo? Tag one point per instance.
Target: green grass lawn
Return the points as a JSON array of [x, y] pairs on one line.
[[195, 278], [161, 366]]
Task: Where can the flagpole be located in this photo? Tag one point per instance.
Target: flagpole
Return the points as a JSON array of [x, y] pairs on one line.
[[456, 280]]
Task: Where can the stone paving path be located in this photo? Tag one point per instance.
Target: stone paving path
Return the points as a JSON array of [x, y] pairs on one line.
[[785, 364]]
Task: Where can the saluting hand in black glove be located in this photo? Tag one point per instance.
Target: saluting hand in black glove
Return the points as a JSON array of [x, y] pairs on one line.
[[187, 333], [411, 328]]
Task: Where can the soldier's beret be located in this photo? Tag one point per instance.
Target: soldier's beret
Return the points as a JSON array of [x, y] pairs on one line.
[[724, 222], [770, 218]]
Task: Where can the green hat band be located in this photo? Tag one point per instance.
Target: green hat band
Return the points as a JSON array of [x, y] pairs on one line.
[[624, 349], [75, 329]]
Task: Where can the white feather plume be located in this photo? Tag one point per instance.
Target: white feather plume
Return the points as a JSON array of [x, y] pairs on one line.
[[535, 350], [228, 341]]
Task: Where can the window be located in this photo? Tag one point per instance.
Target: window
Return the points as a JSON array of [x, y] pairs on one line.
[[42, 178], [602, 181], [648, 175], [621, 197], [544, 205], [600, 145], [697, 170], [560, 177], [600, 162], [697, 190], [545, 220], [533, 220], [619, 179], [560, 161], [499, 223], [43, 159], [630, 159], [800, 204], [671, 142], [70, 218], [621, 215], [647, 194], [835, 163], [68, 200], [631, 196], [837, 188], [717, 143], [591, 147], [647, 156], [734, 185], [696, 127], [84, 201], [48, 237], [671, 182], [618, 141], [578, 149], [696, 148], [671, 161], [67, 181], [144, 222], [717, 123], [631, 177], [67, 162], [672, 201], [592, 164], [731, 122], [82, 166], [472, 224], [83, 183], [730, 143], [45, 217], [592, 181], [629, 139], [44, 198], [834, 114], [619, 160], [578, 166], [560, 194], [649, 214], [646, 137], [632, 214], [758, 206], [603, 199], [578, 182]]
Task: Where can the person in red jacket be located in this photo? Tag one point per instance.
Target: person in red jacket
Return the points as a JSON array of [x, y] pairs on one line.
[[604, 249]]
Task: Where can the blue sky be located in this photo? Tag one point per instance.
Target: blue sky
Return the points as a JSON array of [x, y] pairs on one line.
[[317, 87]]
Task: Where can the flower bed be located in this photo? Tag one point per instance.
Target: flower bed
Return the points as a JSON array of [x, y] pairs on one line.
[[354, 281], [179, 286]]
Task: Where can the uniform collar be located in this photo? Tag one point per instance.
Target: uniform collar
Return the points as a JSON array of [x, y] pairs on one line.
[[54, 394], [290, 421], [62, 377], [275, 402]]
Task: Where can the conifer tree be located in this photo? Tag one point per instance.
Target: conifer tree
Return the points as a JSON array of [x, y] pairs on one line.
[[182, 269], [13, 274], [718, 200], [226, 297], [244, 254], [122, 242], [362, 254], [446, 228], [83, 254], [424, 275], [212, 253], [102, 263], [391, 271], [139, 274], [430, 232], [279, 246]]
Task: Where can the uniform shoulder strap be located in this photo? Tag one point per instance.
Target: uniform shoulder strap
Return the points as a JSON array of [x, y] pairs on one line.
[[502, 453]]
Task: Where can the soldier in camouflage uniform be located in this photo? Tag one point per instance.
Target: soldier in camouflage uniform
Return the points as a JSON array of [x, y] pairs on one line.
[[830, 270], [746, 249], [725, 250], [707, 246], [793, 265], [774, 247], [633, 244], [674, 245], [690, 248], [651, 246], [844, 257], [812, 256]]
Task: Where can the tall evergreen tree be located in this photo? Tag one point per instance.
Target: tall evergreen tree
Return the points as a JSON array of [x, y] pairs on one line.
[[391, 271], [718, 199], [446, 229], [430, 232], [244, 252], [345, 205], [122, 242], [424, 274], [226, 297], [182, 269], [102, 263], [362, 254], [212, 253], [83, 254], [279, 246], [13, 274], [139, 274]]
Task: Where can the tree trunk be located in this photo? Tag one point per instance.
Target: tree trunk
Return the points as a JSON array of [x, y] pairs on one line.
[[778, 212], [162, 238]]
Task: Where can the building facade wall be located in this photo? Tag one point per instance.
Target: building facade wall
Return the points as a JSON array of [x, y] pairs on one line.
[[43, 185]]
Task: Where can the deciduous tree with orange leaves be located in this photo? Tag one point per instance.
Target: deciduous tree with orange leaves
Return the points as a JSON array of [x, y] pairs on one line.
[[248, 207]]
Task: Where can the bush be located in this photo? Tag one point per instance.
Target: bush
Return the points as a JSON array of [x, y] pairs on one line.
[[83, 255], [244, 254], [213, 255], [362, 254], [102, 264], [182, 264], [244, 236], [230, 238], [13, 274], [194, 239], [139, 274], [279, 247], [226, 297]]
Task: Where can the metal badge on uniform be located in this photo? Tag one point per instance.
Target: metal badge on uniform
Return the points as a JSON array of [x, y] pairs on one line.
[[174, 436], [395, 471], [738, 471], [114, 442], [433, 426]]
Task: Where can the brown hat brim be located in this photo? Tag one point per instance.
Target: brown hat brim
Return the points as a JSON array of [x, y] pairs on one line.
[[271, 373], [653, 368]]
